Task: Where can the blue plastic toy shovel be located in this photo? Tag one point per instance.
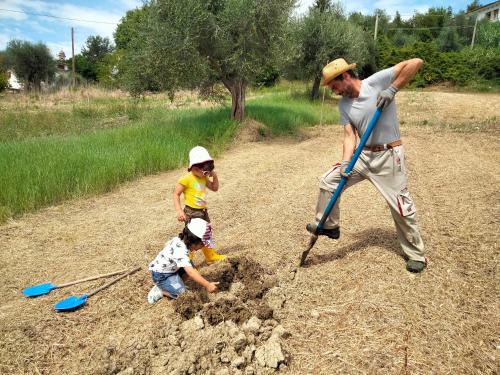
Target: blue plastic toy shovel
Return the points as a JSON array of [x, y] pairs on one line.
[[341, 184], [41, 289], [73, 302]]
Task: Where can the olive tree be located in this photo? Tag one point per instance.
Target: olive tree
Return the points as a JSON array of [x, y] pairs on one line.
[[195, 43], [32, 62], [129, 27], [93, 53], [324, 35]]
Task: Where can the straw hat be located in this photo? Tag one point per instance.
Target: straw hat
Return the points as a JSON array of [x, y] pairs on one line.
[[334, 69]]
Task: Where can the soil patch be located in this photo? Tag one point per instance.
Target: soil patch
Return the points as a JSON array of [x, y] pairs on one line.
[[232, 331], [252, 131], [245, 282]]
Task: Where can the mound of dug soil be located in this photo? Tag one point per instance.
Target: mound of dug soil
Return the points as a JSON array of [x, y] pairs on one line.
[[243, 283], [234, 331]]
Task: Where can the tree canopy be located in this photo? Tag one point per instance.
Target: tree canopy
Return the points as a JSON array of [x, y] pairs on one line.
[[196, 43], [129, 27], [32, 62], [94, 51], [323, 35]]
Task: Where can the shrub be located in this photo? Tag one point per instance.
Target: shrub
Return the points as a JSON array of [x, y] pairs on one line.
[[459, 67], [488, 34], [4, 81], [268, 78]]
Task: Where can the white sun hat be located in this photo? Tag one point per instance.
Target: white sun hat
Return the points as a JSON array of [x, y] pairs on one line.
[[200, 228], [198, 155]]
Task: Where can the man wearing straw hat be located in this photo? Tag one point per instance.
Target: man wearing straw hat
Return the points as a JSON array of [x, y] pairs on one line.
[[382, 160]]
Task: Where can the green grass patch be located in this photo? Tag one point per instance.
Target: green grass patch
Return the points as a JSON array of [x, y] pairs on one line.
[[284, 113], [38, 172], [31, 122], [47, 156]]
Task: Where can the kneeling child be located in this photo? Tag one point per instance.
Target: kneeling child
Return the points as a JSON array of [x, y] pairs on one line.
[[172, 264]]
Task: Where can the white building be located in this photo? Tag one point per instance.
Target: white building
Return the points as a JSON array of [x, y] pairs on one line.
[[14, 84], [489, 11]]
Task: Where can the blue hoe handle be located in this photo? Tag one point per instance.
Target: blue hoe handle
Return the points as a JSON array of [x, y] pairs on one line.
[[353, 161]]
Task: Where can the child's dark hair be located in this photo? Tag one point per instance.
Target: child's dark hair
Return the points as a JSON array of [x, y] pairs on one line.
[[189, 238], [208, 165]]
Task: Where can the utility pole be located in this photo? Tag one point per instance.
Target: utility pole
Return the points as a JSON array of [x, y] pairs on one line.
[[73, 56], [473, 35], [376, 27]]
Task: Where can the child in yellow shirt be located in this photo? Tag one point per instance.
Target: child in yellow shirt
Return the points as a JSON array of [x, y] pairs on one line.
[[194, 187]]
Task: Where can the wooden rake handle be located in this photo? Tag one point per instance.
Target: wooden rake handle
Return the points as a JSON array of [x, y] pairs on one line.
[[113, 281], [92, 278]]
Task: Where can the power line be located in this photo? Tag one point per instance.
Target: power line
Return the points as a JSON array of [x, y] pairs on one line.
[[61, 18]]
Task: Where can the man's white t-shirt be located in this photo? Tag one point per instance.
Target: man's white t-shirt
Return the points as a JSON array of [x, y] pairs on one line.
[[174, 255], [359, 111]]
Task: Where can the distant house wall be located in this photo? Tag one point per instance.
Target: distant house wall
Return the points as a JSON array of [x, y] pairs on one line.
[[489, 11], [14, 84]]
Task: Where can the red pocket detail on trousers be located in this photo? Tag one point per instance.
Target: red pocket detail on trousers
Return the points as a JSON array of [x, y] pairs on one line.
[[405, 203]]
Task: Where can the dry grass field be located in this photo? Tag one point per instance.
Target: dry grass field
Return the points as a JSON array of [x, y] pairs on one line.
[[353, 308]]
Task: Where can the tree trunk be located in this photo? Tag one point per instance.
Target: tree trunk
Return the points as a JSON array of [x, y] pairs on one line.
[[238, 100], [315, 88]]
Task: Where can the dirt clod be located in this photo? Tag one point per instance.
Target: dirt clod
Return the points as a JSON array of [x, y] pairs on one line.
[[189, 303], [237, 325], [239, 303]]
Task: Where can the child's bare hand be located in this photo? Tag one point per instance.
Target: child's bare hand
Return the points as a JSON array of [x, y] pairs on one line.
[[181, 216], [209, 173], [211, 287]]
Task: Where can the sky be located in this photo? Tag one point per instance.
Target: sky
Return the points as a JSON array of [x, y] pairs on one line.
[[56, 32]]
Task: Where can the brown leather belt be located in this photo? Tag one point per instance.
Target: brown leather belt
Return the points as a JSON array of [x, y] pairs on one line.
[[377, 148]]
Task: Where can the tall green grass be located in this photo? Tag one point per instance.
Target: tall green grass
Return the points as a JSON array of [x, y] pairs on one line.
[[21, 122], [38, 170], [284, 113]]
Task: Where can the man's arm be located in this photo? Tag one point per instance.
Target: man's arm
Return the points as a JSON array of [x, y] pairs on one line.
[[348, 148], [405, 71], [349, 142]]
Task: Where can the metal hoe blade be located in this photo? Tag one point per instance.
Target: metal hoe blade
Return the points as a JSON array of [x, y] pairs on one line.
[[39, 290], [312, 241], [70, 303]]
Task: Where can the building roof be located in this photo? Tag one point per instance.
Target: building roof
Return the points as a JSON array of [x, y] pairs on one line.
[[483, 7]]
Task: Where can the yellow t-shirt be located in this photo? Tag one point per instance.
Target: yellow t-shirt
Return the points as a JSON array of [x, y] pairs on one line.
[[196, 190]]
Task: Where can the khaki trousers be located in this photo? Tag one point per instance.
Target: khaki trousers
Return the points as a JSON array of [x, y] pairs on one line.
[[386, 170]]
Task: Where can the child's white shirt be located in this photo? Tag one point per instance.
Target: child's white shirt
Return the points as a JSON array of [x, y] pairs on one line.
[[174, 255]]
